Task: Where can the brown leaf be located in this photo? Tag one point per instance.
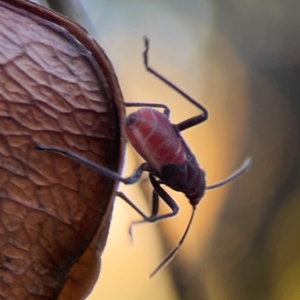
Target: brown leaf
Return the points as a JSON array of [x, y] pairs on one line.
[[56, 88]]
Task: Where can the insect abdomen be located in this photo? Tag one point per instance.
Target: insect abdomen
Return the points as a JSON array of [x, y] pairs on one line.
[[154, 138]]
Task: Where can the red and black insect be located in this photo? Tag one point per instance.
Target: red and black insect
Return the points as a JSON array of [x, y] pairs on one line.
[[168, 159]]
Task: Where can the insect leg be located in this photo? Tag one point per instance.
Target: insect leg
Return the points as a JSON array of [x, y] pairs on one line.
[[158, 105], [130, 203], [113, 175], [191, 121], [154, 212], [158, 192]]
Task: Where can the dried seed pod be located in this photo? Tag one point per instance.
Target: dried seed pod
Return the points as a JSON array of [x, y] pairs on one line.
[[56, 87]]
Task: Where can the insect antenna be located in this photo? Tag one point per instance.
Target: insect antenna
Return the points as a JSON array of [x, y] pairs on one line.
[[171, 255], [241, 170]]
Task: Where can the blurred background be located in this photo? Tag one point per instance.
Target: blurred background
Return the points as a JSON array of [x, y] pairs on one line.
[[241, 60]]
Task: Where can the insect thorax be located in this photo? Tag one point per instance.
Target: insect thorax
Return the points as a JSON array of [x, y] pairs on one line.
[[187, 178]]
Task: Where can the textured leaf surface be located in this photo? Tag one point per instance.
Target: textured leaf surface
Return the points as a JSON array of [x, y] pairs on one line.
[[55, 212]]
